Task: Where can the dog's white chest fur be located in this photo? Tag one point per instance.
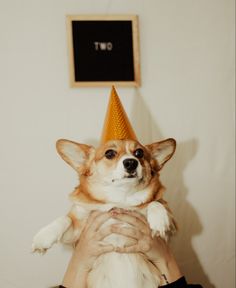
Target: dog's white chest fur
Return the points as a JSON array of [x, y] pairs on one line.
[[116, 270]]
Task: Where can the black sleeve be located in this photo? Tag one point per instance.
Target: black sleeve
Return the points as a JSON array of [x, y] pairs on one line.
[[180, 283]]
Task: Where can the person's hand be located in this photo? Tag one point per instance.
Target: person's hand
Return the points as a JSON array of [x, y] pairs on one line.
[[139, 240], [140, 231], [90, 245], [156, 249], [88, 248]]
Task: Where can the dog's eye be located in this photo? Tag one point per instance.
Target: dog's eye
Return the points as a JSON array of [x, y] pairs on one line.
[[109, 154], [139, 153]]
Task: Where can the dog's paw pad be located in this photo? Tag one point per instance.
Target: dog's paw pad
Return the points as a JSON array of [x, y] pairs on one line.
[[40, 251], [40, 247]]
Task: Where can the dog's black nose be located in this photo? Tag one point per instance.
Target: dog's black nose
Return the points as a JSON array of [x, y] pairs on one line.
[[130, 164]]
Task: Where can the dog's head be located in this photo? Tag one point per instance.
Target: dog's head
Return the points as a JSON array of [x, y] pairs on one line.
[[119, 170]]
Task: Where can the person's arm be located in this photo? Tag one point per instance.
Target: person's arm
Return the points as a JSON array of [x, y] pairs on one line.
[[156, 249], [76, 274], [165, 261], [88, 248]]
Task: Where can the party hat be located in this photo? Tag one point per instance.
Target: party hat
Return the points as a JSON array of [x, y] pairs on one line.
[[116, 125]]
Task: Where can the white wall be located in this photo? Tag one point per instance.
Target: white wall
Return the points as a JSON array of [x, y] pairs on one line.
[[187, 61]]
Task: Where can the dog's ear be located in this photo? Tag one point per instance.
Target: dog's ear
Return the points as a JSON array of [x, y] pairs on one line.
[[73, 153], [162, 150]]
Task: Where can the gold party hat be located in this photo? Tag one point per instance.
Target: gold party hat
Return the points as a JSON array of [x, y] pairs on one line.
[[116, 125]]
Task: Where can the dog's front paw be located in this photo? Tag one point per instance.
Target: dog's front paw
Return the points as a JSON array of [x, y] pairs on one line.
[[158, 219], [44, 240], [50, 234]]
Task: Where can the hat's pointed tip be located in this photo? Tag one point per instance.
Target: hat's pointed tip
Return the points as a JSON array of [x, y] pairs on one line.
[[116, 124], [113, 92]]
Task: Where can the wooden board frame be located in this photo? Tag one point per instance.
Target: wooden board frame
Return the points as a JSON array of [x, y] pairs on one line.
[[136, 78]]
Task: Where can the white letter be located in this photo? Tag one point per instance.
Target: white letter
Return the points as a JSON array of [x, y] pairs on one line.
[[109, 46], [103, 46], [96, 45]]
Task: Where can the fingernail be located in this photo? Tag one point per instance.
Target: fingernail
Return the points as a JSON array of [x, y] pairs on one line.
[[113, 213], [117, 225], [126, 211], [112, 209]]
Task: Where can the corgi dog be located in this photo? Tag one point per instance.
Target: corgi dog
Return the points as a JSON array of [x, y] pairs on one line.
[[123, 174]]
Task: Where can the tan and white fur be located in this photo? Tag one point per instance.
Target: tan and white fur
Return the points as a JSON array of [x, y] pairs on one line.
[[119, 173]]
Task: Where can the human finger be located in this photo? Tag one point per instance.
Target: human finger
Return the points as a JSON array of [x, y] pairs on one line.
[[104, 249], [127, 231], [141, 246], [92, 216], [137, 214], [127, 249], [133, 220], [116, 211], [98, 220], [103, 232]]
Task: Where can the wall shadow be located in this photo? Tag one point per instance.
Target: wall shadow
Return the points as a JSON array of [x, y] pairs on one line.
[[188, 220]]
